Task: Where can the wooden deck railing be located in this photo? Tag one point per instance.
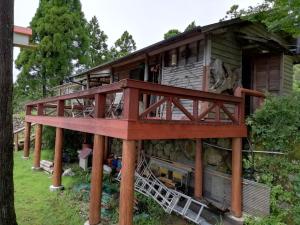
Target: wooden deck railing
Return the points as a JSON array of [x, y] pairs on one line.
[[137, 100]]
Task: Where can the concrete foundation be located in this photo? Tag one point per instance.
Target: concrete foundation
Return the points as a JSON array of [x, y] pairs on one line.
[[53, 188]]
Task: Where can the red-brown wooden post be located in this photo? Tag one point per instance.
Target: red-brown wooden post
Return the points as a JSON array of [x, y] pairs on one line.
[[27, 134], [97, 166], [96, 181], [131, 104], [127, 183], [236, 189], [38, 139], [198, 189], [57, 172]]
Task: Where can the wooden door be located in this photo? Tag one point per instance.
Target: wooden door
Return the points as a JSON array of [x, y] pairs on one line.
[[266, 75]]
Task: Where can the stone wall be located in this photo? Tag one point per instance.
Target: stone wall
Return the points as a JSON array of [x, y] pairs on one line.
[[183, 151]]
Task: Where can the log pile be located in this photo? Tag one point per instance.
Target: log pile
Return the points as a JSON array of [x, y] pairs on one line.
[[47, 166]]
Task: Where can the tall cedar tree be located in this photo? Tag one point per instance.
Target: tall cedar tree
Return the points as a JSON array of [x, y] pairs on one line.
[[62, 42], [7, 210], [98, 51], [123, 46]]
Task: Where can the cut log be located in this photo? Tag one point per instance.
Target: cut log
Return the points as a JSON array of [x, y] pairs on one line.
[[47, 166]]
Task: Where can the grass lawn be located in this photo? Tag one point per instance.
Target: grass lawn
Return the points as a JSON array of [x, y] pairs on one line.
[[36, 205]]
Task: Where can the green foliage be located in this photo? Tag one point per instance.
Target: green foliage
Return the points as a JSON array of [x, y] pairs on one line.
[[296, 81], [48, 137], [98, 51], [62, 41], [191, 26], [277, 15], [174, 32], [171, 33], [123, 46], [276, 125], [281, 174], [72, 142]]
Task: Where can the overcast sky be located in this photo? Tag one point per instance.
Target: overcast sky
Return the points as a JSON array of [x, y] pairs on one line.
[[146, 20]]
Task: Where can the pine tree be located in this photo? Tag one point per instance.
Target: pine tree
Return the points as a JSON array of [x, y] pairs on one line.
[[123, 46], [60, 32], [98, 51], [191, 26], [7, 211]]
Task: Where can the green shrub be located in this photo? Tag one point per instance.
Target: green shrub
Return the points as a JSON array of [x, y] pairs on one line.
[[276, 126], [282, 175], [72, 139]]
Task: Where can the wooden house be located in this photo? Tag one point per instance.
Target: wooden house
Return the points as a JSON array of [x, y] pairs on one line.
[[198, 84]]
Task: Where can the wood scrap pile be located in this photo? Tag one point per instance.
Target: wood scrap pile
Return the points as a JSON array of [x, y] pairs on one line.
[[47, 166]]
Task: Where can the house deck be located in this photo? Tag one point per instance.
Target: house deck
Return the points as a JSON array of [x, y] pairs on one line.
[[134, 111], [170, 112]]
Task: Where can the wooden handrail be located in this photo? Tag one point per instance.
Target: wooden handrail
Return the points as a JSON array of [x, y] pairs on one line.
[[21, 129], [239, 92], [143, 86]]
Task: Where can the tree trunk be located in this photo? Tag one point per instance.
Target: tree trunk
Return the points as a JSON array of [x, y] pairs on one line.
[[7, 211]]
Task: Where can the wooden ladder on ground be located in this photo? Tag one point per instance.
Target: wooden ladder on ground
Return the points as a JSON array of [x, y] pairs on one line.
[[170, 200]]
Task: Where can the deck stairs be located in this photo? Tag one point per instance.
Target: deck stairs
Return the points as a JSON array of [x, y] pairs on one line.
[[170, 200]]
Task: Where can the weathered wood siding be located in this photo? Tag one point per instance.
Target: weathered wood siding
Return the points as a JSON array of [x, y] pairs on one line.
[[185, 75], [287, 75], [225, 47]]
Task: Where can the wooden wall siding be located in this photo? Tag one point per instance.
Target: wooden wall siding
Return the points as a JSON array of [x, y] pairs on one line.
[[187, 74], [226, 48], [287, 76]]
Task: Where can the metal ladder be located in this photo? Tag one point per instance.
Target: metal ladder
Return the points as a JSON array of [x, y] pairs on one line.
[[170, 200]]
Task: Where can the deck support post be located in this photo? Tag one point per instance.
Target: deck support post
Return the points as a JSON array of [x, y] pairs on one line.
[[59, 135], [236, 186], [37, 147], [16, 140], [57, 172], [27, 140], [38, 139], [198, 189], [27, 135], [127, 183], [96, 180]]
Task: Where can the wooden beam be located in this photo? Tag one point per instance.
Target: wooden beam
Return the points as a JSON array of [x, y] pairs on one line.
[[37, 146], [83, 94], [236, 188], [131, 104], [96, 181], [100, 100], [158, 130], [16, 140], [27, 140], [198, 188], [38, 139], [143, 130], [127, 183], [106, 127], [144, 86], [57, 172]]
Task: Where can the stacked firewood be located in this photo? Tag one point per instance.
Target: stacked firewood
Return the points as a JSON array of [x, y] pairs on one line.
[[47, 166]]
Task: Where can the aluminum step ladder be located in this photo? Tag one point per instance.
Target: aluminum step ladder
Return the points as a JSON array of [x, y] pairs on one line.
[[170, 200]]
